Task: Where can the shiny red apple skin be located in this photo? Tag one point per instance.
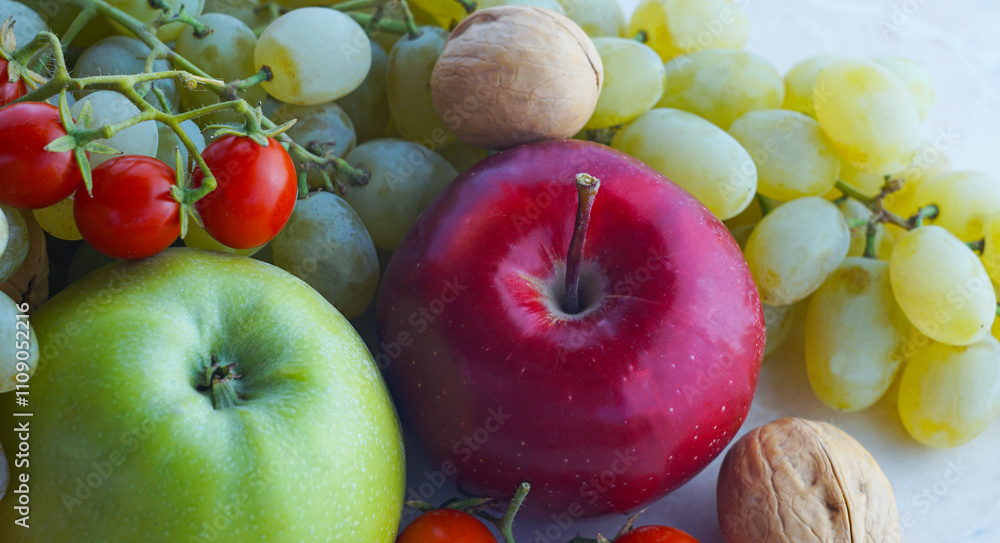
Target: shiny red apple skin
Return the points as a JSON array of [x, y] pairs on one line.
[[604, 411]]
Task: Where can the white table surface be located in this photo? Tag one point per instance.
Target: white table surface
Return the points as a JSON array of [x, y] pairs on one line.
[[944, 496]]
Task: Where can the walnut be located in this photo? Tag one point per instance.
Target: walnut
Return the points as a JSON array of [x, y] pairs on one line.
[[516, 74], [30, 283], [804, 481]]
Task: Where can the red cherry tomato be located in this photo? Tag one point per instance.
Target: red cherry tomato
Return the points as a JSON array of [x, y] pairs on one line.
[[10, 91], [446, 526], [30, 176], [256, 193], [131, 213], [656, 534]]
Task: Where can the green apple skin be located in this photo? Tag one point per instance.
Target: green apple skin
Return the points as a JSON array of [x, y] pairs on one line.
[[124, 448]]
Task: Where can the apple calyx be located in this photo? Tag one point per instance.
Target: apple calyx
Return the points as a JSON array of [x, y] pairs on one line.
[[586, 188], [220, 380]]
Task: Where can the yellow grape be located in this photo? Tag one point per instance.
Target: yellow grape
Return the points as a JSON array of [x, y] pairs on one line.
[[596, 17], [854, 334], [697, 155], [58, 221], [949, 395], [800, 82], [942, 287], [633, 82], [795, 247], [916, 78], [198, 238], [928, 160], [721, 85], [868, 114], [446, 13], [965, 201], [793, 156], [991, 250], [678, 27]]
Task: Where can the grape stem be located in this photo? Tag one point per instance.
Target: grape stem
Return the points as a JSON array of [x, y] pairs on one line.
[[880, 213]]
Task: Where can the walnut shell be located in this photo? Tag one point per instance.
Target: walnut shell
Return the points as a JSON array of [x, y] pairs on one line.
[[804, 481], [30, 283], [516, 74]]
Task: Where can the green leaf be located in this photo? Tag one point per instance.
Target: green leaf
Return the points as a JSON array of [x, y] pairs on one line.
[[8, 43], [64, 114], [62, 144], [100, 149], [274, 133], [86, 117]]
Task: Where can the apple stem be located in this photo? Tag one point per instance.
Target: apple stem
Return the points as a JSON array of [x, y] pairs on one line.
[[222, 384], [586, 188]]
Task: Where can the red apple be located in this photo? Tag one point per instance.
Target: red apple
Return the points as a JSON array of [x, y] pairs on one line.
[[602, 409]]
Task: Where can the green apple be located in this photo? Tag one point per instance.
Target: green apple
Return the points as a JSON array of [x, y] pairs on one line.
[[198, 397]]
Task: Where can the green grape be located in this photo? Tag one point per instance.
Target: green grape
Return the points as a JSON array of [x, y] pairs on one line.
[[411, 63], [250, 12], [800, 83], [793, 156], [678, 27], [461, 155], [795, 248], [949, 395], [868, 114], [697, 155], [547, 4], [368, 105], [228, 54], [885, 235], [58, 221], [598, 18], [965, 201], [779, 322], [15, 360], [316, 55], [405, 177], [59, 16], [942, 286], [18, 242], [198, 238], [445, 14], [916, 78], [721, 85], [122, 55], [633, 82], [167, 141], [991, 250], [27, 22], [109, 107], [854, 335], [326, 245], [142, 10], [325, 129]]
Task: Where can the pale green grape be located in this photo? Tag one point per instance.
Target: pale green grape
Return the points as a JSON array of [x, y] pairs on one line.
[[168, 141], [800, 83], [916, 78], [326, 245], [228, 54], [368, 105], [59, 16], [885, 235], [697, 155], [405, 178], [949, 395], [122, 55], [315, 54], [854, 335], [793, 156], [778, 323], [721, 85], [795, 248], [109, 107], [13, 360], [58, 221], [411, 63], [633, 81], [461, 155], [942, 286], [547, 4], [325, 129], [18, 242], [677, 27], [27, 22], [991, 250], [140, 9], [868, 114], [965, 201], [597, 18], [198, 238]]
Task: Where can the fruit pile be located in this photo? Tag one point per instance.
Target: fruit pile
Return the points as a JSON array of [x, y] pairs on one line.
[[564, 237]]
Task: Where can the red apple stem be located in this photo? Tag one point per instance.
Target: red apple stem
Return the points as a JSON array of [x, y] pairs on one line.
[[586, 188]]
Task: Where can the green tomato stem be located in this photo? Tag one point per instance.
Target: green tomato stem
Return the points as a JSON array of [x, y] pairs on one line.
[[506, 524]]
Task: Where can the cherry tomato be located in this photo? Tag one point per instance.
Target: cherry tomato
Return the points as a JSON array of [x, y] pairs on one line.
[[131, 213], [656, 534], [30, 176], [9, 91], [256, 193], [446, 526]]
